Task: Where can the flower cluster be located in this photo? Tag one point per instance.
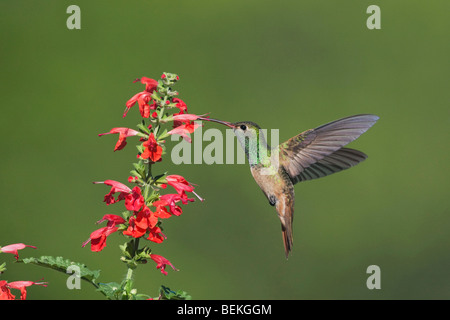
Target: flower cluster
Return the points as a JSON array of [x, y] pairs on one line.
[[5, 292], [145, 205]]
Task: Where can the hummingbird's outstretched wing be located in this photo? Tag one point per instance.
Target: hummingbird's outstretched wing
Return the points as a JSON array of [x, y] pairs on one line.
[[318, 152]]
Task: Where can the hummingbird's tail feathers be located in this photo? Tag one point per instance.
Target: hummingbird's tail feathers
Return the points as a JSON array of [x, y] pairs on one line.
[[311, 146], [285, 209], [339, 160], [287, 239]]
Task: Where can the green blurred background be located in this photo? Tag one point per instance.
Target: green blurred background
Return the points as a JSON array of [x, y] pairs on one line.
[[282, 64]]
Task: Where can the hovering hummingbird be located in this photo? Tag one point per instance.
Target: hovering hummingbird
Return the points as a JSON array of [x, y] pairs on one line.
[[312, 154]]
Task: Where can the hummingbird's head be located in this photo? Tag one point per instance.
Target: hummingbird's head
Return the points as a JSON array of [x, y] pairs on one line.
[[246, 129], [249, 135]]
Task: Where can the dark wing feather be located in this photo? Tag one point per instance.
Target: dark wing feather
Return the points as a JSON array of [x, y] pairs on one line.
[[339, 160], [302, 151]]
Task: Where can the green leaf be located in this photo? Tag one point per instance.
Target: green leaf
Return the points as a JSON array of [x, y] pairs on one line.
[[143, 128], [127, 249], [126, 215], [61, 264], [111, 290], [140, 148], [163, 135], [143, 254], [134, 173], [167, 294], [2, 267]]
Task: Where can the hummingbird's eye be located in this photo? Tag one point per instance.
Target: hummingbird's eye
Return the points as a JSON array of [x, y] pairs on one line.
[[243, 127]]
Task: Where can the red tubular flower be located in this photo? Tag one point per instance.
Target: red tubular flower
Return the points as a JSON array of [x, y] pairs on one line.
[[161, 263], [22, 286], [179, 183], [185, 130], [98, 238], [124, 133], [13, 248], [180, 104], [181, 186], [170, 200], [134, 200], [112, 220], [150, 84], [162, 213], [5, 293], [152, 150], [116, 187], [144, 221], [143, 98], [183, 109], [185, 117], [133, 229], [144, 107], [156, 235]]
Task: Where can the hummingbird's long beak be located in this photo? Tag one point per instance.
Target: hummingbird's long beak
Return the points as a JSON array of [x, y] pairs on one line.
[[228, 124]]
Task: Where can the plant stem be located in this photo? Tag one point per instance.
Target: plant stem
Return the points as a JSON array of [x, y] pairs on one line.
[[129, 276]]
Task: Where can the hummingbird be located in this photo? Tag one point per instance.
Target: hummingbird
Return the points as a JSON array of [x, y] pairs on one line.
[[312, 154]]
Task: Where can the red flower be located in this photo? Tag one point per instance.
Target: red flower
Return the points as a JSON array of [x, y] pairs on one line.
[[170, 200], [185, 117], [22, 286], [134, 200], [98, 238], [133, 229], [12, 248], [183, 109], [152, 150], [112, 220], [181, 186], [161, 263], [180, 105], [146, 219], [138, 226], [185, 130], [5, 293], [179, 183], [116, 187], [150, 84], [123, 134], [162, 213], [156, 235], [143, 98]]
